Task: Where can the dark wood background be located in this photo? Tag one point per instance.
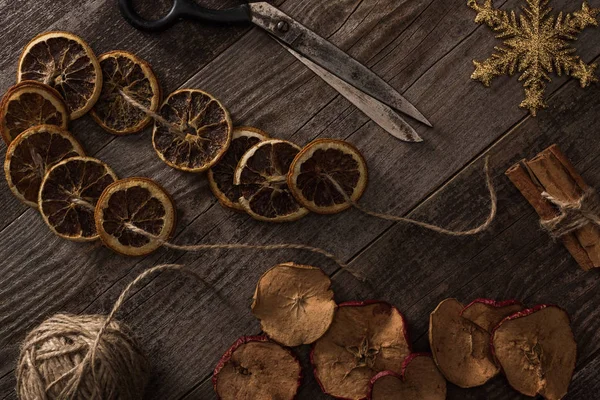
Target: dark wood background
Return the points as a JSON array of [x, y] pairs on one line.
[[425, 49]]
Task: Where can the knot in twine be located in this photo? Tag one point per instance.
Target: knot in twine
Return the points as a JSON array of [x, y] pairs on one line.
[[84, 357], [573, 215]]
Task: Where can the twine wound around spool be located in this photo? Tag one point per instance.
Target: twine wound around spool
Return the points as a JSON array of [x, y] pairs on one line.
[[85, 357], [573, 215]]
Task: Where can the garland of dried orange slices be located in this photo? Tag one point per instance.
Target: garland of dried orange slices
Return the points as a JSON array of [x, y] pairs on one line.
[[81, 198], [360, 349]]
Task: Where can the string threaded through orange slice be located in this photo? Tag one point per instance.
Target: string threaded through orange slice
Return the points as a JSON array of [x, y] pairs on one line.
[[197, 134], [31, 155], [261, 176], [138, 202], [68, 196], [321, 170], [29, 104], [125, 74], [68, 64], [220, 177]]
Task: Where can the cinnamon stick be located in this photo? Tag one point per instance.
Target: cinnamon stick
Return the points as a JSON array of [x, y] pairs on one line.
[[551, 172]]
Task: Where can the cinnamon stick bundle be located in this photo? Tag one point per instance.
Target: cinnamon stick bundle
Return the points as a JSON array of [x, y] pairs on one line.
[[552, 173]]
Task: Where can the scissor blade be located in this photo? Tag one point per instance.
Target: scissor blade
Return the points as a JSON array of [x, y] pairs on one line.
[[329, 57], [381, 114]]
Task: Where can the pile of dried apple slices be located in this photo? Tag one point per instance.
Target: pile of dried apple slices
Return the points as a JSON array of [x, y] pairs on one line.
[[354, 344], [361, 350]]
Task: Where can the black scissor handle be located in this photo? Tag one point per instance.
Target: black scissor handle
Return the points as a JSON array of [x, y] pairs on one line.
[[183, 9]]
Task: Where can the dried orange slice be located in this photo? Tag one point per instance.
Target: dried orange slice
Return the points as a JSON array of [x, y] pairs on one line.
[[68, 196], [294, 304], [32, 154], [198, 134], [321, 170], [65, 62], [124, 74], [261, 175], [130, 204], [30, 104], [220, 177]]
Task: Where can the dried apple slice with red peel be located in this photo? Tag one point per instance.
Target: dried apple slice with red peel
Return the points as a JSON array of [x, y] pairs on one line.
[[255, 368], [460, 347], [537, 351], [420, 380], [364, 339], [487, 313], [294, 304]]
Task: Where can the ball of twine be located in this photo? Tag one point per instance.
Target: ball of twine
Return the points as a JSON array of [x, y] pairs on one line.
[[85, 357], [56, 360]]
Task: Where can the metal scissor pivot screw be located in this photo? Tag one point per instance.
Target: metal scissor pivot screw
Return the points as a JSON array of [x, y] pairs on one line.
[[283, 26]]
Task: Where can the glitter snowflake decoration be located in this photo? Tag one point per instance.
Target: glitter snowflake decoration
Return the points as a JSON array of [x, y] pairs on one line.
[[536, 44]]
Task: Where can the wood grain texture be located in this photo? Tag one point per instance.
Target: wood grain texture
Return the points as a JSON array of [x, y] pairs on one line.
[[422, 47]]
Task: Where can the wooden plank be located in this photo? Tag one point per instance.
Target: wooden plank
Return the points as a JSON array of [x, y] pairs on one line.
[[168, 312]]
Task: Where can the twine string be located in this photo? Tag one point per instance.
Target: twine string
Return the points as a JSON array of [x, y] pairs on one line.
[[573, 215], [483, 227], [245, 246]]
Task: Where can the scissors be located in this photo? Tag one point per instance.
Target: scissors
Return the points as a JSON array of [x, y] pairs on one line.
[[357, 83]]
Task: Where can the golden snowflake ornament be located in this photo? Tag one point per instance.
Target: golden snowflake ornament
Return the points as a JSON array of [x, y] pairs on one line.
[[536, 44]]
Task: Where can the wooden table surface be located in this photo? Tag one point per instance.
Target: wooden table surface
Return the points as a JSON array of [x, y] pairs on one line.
[[424, 48]]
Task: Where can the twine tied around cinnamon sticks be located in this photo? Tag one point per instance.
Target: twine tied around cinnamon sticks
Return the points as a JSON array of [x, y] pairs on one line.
[[568, 207], [574, 215]]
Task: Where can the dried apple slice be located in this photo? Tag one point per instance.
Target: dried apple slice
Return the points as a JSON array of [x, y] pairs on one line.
[[220, 177], [322, 170], [31, 104], [135, 203], [487, 313], [420, 380], [125, 76], [31, 155], [294, 304], [68, 64], [198, 134], [255, 368], [364, 339], [261, 174], [460, 348], [69, 193], [537, 351]]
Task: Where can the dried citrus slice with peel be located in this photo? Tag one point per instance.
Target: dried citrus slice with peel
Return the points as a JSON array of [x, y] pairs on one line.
[[537, 351], [255, 368], [294, 304], [68, 64], [198, 131], [139, 203], [487, 313], [31, 154], [364, 339], [30, 104], [420, 380], [261, 175], [220, 177], [461, 349], [68, 196], [320, 172], [126, 77]]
